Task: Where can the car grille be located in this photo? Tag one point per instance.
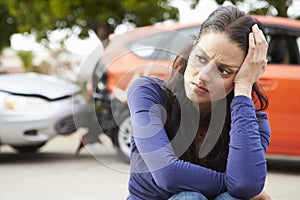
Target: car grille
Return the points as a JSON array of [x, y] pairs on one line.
[[66, 126]]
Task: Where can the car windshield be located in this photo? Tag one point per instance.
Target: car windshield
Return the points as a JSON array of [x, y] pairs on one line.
[[163, 46]]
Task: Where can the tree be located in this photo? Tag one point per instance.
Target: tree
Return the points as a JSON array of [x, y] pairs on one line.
[[102, 16], [280, 5], [7, 27], [27, 59]]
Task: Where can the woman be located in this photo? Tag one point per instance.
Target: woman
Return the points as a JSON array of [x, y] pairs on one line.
[[202, 134]]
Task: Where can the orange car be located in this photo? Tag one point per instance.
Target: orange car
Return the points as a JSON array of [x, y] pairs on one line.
[[150, 50]]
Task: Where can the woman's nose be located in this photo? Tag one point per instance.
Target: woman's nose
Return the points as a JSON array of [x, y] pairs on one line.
[[205, 74]]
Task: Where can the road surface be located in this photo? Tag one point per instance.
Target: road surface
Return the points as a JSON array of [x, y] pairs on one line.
[[98, 173]]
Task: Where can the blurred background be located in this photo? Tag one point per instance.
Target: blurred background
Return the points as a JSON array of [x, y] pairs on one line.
[[64, 40], [54, 37]]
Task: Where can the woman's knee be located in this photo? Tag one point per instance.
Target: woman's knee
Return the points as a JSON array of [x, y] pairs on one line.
[[226, 196]]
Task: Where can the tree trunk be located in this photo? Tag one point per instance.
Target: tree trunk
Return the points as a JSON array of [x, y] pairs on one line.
[[281, 6], [103, 31]]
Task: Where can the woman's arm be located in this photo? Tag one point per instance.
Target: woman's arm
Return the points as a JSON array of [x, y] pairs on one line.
[[254, 64], [249, 137], [264, 129], [246, 165], [146, 100]]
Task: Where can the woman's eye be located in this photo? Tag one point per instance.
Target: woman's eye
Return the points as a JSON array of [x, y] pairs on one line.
[[201, 59], [224, 71]]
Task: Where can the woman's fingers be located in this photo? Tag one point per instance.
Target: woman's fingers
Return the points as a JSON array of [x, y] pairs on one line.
[[251, 44], [261, 47], [258, 34], [260, 40], [255, 62]]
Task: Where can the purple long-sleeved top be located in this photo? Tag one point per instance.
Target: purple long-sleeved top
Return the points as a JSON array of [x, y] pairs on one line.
[[157, 173]]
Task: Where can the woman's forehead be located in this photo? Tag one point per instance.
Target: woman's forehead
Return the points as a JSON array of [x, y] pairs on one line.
[[220, 47]]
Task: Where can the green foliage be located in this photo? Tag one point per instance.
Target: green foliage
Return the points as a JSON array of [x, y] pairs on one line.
[[26, 58], [140, 13], [7, 25], [280, 5], [40, 17]]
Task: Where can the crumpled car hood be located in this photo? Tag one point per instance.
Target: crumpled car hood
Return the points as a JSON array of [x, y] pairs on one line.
[[33, 84]]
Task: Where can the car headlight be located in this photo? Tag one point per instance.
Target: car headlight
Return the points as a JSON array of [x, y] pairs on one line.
[[17, 102]]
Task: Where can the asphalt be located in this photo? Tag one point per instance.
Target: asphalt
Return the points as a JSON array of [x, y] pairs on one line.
[[98, 173]]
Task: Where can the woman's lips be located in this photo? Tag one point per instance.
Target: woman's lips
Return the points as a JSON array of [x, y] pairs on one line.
[[199, 89]]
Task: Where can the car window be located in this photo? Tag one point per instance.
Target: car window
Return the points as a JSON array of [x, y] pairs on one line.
[[182, 38], [163, 46], [146, 47], [283, 49], [283, 46]]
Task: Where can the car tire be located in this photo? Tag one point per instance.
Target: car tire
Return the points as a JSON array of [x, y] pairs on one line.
[[122, 134], [28, 148]]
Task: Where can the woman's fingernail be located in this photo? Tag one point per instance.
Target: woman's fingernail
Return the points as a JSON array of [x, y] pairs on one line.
[[251, 35]]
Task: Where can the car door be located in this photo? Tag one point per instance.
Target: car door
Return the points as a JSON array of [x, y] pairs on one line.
[[281, 81]]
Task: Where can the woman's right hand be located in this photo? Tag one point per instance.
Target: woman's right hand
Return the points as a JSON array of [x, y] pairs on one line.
[[254, 64]]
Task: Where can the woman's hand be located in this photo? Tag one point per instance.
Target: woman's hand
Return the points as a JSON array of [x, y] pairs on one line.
[[262, 196], [254, 64]]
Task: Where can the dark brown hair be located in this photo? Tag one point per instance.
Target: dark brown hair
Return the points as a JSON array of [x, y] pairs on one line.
[[237, 25]]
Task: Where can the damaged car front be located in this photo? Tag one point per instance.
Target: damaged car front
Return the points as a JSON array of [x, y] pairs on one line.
[[34, 108]]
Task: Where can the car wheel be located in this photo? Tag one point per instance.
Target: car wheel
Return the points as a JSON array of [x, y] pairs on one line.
[[28, 148], [122, 135]]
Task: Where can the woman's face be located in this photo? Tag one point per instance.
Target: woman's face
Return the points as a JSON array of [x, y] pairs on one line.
[[211, 68]]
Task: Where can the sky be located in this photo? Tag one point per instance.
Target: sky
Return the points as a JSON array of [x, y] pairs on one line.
[[186, 15]]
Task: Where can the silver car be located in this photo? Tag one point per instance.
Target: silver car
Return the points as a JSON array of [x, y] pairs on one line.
[[34, 108]]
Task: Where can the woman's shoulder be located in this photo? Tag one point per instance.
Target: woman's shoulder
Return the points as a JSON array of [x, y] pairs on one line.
[[145, 80], [147, 85]]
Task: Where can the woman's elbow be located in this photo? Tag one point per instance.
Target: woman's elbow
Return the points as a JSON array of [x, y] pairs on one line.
[[165, 180], [245, 189]]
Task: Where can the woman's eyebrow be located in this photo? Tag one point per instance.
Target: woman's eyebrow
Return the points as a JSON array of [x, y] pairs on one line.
[[203, 52], [229, 66]]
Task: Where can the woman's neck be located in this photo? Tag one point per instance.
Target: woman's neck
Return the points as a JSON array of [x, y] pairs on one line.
[[205, 111]]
